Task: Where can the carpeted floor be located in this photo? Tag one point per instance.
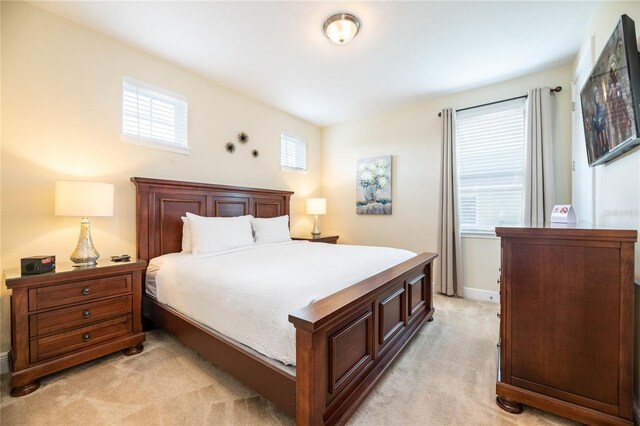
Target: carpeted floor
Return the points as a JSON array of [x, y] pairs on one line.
[[450, 368]]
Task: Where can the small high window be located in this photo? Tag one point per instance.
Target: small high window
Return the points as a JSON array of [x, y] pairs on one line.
[[293, 152], [154, 117]]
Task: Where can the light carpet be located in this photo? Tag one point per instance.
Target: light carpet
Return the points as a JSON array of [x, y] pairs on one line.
[[445, 376]]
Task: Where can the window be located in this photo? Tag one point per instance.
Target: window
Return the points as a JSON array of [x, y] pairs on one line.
[[293, 152], [490, 163], [154, 117]]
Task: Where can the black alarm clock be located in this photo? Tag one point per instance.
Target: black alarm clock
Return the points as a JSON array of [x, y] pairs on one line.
[[37, 264]]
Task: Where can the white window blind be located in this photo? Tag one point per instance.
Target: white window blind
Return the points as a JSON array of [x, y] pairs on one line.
[[490, 163], [293, 152], [154, 117]]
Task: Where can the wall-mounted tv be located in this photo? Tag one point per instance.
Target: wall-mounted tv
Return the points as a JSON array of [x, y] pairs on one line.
[[610, 97]]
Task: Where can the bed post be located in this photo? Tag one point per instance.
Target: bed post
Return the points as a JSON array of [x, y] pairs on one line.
[[309, 378]]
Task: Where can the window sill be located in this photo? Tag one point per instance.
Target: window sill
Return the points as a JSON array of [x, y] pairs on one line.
[[293, 169], [148, 143], [479, 235]]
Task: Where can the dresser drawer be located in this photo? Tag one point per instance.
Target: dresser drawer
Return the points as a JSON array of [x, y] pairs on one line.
[[80, 291], [81, 338], [78, 316]]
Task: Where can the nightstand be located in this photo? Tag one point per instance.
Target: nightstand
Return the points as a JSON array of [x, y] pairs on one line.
[[70, 316], [330, 239]]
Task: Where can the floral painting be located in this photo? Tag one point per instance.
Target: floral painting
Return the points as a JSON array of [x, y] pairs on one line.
[[373, 185]]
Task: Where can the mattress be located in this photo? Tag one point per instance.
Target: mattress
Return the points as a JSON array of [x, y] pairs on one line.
[[248, 293]]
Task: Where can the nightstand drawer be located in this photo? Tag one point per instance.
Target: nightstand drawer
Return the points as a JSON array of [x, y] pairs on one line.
[[68, 294], [70, 341], [77, 316]]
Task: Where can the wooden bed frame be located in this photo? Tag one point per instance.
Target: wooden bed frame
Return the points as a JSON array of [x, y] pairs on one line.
[[344, 342]]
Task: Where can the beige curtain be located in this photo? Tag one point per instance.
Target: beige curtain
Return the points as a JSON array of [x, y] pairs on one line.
[[449, 243], [539, 191]]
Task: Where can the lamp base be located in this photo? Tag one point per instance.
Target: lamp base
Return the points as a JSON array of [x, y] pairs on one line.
[[85, 254], [84, 265], [316, 228]]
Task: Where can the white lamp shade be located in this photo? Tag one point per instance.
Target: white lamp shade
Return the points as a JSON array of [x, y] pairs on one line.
[[316, 206], [79, 198]]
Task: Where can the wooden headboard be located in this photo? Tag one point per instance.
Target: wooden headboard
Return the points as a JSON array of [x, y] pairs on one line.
[[161, 203]]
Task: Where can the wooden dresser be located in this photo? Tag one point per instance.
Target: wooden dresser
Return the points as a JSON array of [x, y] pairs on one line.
[[64, 318], [566, 330]]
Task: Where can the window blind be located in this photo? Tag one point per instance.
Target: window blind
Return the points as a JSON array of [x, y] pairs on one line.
[[490, 163], [154, 115], [293, 152]]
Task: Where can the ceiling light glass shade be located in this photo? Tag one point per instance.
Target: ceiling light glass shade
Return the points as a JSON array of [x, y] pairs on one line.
[[341, 27]]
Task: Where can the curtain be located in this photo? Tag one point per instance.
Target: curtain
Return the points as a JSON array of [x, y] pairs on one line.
[[538, 192], [449, 243]]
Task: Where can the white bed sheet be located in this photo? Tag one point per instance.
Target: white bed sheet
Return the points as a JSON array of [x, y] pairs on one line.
[[248, 293]]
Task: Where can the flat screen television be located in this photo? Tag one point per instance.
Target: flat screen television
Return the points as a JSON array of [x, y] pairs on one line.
[[610, 97]]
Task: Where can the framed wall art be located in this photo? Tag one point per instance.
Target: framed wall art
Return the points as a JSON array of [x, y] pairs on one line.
[[373, 185]]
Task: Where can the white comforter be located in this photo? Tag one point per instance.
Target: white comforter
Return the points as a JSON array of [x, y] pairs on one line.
[[248, 293]]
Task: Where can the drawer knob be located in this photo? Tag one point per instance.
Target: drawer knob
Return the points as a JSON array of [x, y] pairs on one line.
[[86, 291], [86, 313], [86, 337]]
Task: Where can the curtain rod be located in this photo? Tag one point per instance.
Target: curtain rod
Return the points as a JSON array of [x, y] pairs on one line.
[[552, 91]]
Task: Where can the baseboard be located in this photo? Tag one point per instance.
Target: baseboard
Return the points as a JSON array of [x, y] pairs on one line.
[[4, 362], [636, 414], [479, 294]]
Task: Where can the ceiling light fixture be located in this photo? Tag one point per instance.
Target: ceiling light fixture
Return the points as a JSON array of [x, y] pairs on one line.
[[341, 27]]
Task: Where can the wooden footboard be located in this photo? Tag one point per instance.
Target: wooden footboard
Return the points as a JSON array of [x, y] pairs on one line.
[[345, 342]]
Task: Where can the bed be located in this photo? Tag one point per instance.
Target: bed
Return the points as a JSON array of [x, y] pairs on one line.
[[343, 342]]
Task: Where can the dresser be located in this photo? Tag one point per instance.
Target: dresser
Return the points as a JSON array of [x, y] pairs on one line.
[[566, 322], [70, 316]]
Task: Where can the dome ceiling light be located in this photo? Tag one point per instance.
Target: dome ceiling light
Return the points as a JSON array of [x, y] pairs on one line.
[[341, 27]]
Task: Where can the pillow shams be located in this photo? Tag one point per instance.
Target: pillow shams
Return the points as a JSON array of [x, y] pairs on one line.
[[210, 234], [271, 230], [187, 246]]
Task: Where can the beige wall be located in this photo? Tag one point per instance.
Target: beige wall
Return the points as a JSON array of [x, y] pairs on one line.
[[412, 136], [481, 263], [61, 94], [617, 183]]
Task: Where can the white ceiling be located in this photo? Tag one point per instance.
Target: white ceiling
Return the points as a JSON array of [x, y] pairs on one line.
[[276, 52]]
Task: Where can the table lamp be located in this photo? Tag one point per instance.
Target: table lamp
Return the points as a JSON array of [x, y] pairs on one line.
[[84, 199], [316, 206]]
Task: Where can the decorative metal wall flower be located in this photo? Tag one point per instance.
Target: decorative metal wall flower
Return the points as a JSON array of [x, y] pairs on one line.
[[230, 147], [243, 138], [255, 153]]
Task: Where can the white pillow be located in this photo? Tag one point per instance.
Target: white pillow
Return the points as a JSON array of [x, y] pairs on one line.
[[187, 246], [209, 234], [271, 230]]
